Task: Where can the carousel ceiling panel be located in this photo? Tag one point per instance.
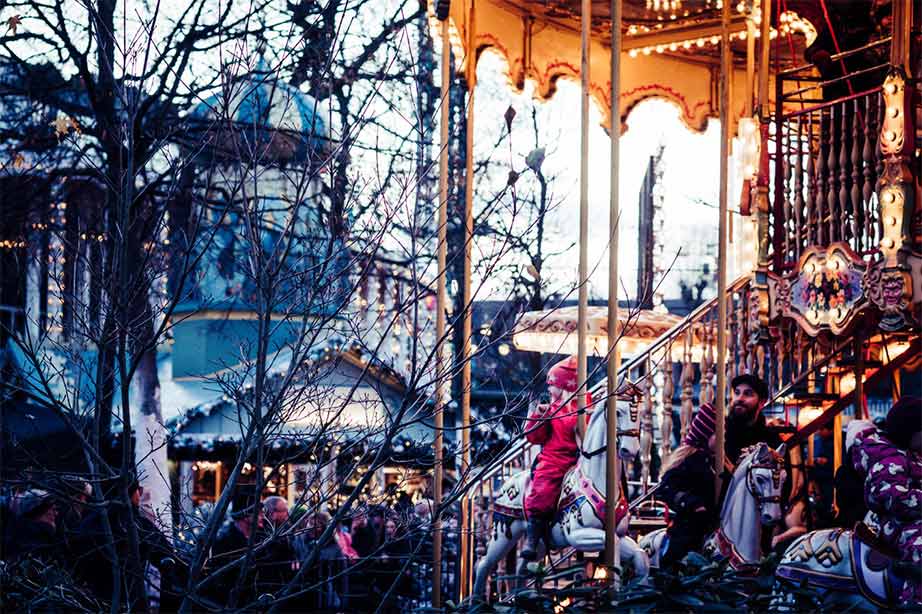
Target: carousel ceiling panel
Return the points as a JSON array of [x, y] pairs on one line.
[[673, 59], [650, 13]]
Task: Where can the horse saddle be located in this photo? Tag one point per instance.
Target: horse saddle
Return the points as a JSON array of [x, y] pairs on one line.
[[874, 565], [880, 554]]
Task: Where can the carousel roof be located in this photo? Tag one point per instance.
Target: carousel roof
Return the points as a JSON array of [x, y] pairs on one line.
[[670, 48]]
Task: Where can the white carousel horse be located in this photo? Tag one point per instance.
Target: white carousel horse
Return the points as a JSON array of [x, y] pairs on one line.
[[846, 573], [582, 502], [753, 500]]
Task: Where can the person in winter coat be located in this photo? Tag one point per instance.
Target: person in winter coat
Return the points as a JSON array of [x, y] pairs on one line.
[[892, 462], [32, 534], [687, 487], [554, 428]]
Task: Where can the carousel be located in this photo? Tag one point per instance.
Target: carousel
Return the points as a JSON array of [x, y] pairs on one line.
[[827, 310]]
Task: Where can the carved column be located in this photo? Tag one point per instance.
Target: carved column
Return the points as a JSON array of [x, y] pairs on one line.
[[666, 415], [646, 427], [688, 382], [890, 286]]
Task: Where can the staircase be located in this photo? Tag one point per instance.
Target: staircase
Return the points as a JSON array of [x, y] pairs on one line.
[[815, 384]]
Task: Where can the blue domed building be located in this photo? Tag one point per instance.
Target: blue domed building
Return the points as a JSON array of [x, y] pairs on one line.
[[257, 147]]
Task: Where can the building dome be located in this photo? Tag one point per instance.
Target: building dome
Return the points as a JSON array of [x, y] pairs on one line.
[[262, 115]]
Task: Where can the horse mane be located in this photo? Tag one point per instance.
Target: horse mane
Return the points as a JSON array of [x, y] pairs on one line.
[[595, 417], [747, 456]]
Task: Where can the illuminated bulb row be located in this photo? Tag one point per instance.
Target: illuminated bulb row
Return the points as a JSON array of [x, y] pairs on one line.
[[663, 5], [700, 42]]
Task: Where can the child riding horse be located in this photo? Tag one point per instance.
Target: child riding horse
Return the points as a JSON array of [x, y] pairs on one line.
[[553, 427]]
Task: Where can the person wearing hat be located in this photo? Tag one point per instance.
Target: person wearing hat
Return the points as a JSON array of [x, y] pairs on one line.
[[230, 547], [553, 427], [687, 487], [746, 424], [892, 461], [33, 532]]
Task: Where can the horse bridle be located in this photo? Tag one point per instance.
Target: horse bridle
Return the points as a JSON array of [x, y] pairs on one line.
[[776, 470], [620, 433]]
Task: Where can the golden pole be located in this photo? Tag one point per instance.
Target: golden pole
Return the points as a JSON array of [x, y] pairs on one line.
[[586, 19], [761, 197], [750, 66], [613, 464], [725, 68], [440, 369], [464, 525], [764, 58]]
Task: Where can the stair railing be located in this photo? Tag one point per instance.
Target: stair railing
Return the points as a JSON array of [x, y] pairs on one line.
[[826, 156], [684, 354]]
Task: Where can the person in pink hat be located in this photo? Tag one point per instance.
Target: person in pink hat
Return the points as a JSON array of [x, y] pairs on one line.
[[554, 428]]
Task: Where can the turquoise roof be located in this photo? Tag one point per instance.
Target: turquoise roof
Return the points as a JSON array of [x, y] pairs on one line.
[[278, 111]]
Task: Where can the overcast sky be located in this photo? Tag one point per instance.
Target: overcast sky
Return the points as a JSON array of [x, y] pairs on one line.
[[691, 176]]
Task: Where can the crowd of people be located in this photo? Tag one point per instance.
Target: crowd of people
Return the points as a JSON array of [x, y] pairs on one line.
[[263, 552]]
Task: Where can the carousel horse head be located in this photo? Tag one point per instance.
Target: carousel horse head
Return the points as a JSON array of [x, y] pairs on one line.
[[628, 420], [765, 475]]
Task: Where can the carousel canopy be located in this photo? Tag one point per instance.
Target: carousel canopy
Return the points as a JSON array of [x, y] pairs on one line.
[[670, 48], [554, 331]]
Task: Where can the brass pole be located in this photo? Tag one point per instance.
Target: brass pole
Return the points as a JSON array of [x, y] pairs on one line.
[[761, 195], [750, 66], [764, 58], [581, 328], [613, 464], [725, 68], [441, 371], [464, 525]]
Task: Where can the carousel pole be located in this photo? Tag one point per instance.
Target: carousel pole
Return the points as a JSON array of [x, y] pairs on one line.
[[762, 204], [470, 77], [613, 464], [725, 68], [750, 66], [441, 295], [581, 327]]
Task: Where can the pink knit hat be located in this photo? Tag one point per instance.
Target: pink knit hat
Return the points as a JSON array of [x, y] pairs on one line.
[[563, 374], [702, 427]]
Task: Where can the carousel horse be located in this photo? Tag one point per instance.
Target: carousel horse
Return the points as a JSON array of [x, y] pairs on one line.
[[843, 567], [581, 509], [753, 500]]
